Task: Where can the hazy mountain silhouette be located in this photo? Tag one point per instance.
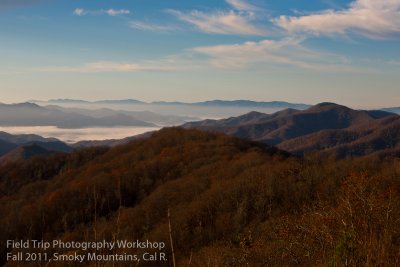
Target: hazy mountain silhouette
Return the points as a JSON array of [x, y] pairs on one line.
[[147, 116], [393, 110], [238, 103], [202, 110], [29, 114], [230, 103]]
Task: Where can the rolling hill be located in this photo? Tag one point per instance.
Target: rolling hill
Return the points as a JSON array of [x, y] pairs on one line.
[[6, 147], [111, 142], [32, 149], [25, 152], [24, 138], [25, 146]]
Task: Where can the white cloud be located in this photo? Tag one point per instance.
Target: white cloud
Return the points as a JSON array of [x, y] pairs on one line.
[[111, 12], [114, 12], [288, 51], [79, 12], [221, 22], [144, 26], [371, 18]]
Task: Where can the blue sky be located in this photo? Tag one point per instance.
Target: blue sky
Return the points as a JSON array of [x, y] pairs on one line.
[[298, 51]]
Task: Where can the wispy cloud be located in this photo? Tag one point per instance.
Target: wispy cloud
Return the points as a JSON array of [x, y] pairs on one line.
[[95, 67], [288, 51], [393, 62], [242, 5], [239, 19], [248, 55], [221, 22], [111, 12], [371, 18], [145, 26], [165, 64]]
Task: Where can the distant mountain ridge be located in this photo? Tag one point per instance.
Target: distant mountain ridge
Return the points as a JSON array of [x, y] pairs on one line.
[[30, 114], [147, 116], [393, 110], [208, 103], [171, 112], [239, 103], [217, 102], [327, 127]]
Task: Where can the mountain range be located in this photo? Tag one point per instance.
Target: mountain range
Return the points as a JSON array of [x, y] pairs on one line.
[[327, 127], [393, 110], [192, 111], [232, 192], [209, 103], [226, 103], [29, 114], [146, 116]]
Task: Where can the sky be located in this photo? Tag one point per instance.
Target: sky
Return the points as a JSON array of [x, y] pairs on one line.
[[311, 51]]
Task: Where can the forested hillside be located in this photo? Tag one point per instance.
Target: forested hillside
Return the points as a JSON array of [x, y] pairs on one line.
[[231, 202], [331, 129]]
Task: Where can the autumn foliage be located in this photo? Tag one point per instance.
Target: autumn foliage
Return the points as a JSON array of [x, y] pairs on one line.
[[232, 202]]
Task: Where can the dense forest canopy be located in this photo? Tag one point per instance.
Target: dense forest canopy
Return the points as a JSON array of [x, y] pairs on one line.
[[231, 202]]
